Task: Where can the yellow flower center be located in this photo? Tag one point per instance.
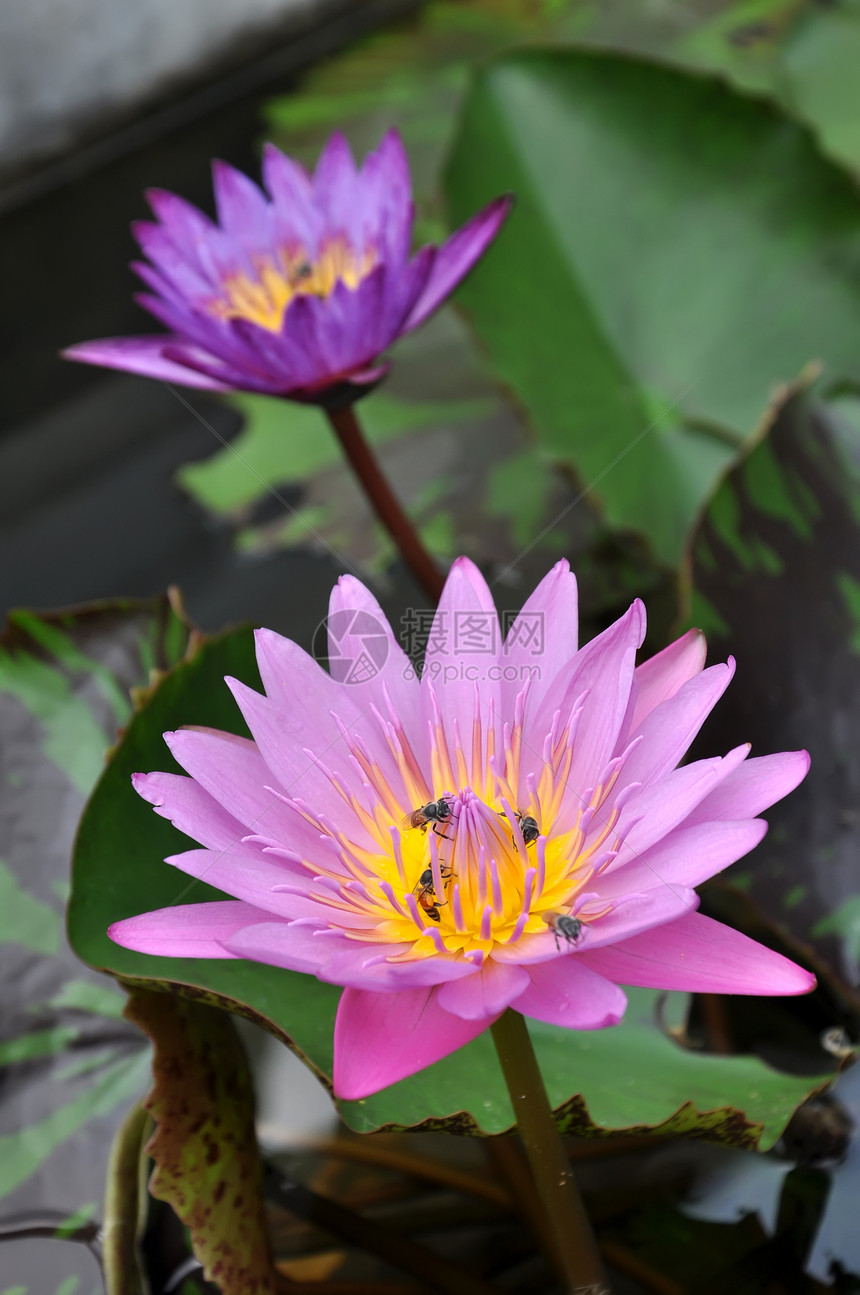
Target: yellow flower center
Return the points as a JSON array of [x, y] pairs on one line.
[[463, 871], [264, 298]]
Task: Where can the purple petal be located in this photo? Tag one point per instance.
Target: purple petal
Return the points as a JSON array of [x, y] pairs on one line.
[[186, 930], [485, 995], [380, 1038], [456, 257], [388, 212], [754, 787], [228, 379], [143, 355], [700, 955], [185, 223], [297, 224], [336, 189], [660, 677], [565, 992], [686, 857], [184, 276], [242, 210]]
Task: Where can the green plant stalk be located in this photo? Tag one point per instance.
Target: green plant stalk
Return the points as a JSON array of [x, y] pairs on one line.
[[578, 1258], [383, 500]]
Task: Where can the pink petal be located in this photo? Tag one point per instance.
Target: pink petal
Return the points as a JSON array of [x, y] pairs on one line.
[[281, 736], [143, 355], [671, 726], [660, 677], [700, 955], [380, 1038], [185, 804], [650, 815], [233, 772], [544, 636], [334, 958], [285, 944], [602, 671], [486, 994], [186, 930], [247, 874], [464, 642], [634, 913], [365, 966], [754, 787], [391, 684], [457, 256], [686, 857], [564, 992]]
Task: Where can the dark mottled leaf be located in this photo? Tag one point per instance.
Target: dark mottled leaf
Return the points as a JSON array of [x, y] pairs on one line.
[[676, 250], [632, 1076], [775, 579], [207, 1166], [71, 1065]]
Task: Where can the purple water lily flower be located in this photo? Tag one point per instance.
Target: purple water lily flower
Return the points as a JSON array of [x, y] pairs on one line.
[[295, 292], [513, 829]]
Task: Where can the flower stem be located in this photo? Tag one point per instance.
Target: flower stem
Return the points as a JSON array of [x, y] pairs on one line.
[[384, 501], [553, 1176]]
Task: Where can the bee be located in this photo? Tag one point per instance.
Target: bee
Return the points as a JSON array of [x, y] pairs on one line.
[[425, 893], [436, 812], [528, 827], [563, 927]]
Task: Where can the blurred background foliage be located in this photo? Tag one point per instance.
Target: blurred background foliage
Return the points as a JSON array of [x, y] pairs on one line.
[[654, 373]]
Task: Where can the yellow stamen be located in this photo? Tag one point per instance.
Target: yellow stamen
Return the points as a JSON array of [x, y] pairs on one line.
[[264, 299]]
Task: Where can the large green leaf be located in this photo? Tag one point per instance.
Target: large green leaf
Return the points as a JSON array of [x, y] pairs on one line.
[[628, 1077], [775, 579], [675, 252]]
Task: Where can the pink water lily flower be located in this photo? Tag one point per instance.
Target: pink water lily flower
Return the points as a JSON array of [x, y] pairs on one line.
[[297, 291], [554, 849]]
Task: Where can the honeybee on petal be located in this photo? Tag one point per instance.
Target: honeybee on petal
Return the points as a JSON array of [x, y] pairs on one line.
[[564, 927]]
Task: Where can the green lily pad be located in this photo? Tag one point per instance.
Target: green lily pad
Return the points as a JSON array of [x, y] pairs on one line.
[[676, 250], [631, 1076]]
